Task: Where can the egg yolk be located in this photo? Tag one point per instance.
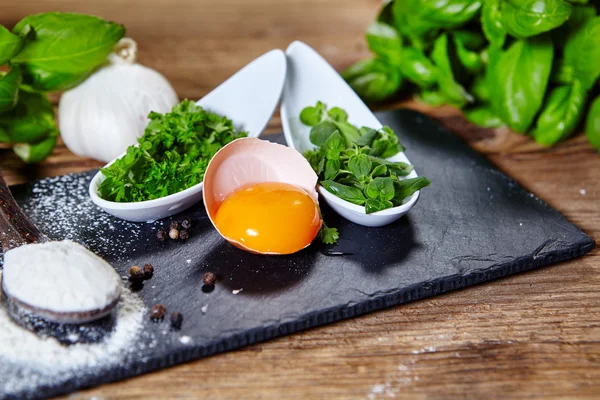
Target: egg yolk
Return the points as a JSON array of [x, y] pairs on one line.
[[269, 217]]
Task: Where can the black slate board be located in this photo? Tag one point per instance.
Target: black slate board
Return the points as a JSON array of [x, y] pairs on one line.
[[474, 224]]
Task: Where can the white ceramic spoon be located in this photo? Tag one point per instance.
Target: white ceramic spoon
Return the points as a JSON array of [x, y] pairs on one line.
[[248, 98], [310, 79]]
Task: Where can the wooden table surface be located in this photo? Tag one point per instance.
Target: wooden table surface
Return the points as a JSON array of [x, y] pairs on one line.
[[532, 335]]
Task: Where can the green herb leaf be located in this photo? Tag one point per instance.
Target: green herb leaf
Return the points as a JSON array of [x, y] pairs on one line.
[[380, 188], [484, 117], [334, 145], [582, 52], [491, 22], [332, 169], [172, 154], [592, 124], [311, 116], [36, 152], [453, 91], [360, 166], [10, 44], [30, 120], [417, 68], [374, 205], [384, 41], [397, 168], [561, 114], [348, 193], [9, 89], [321, 132], [407, 187], [367, 136], [380, 170], [337, 114], [469, 59], [519, 80], [328, 235], [64, 48], [348, 132], [526, 18], [373, 80]]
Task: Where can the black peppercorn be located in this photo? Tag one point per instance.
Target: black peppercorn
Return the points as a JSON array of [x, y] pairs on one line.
[[174, 233], [183, 234], [148, 271], [209, 279], [175, 225], [186, 223], [136, 274], [161, 235], [176, 320], [158, 312]]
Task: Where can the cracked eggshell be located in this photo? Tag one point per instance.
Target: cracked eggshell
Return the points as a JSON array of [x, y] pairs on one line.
[[249, 161]]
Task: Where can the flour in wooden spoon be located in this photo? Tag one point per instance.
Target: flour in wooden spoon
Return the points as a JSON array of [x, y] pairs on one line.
[[60, 277], [28, 361]]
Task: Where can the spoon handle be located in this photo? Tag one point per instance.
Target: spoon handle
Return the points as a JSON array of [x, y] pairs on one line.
[[15, 228]]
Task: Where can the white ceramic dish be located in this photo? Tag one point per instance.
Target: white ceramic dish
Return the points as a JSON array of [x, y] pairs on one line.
[[310, 79], [248, 98]]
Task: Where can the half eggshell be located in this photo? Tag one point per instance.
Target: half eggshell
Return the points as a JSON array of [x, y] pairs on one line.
[[249, 161]]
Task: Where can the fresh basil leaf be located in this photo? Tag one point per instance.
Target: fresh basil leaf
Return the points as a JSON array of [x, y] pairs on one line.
[[407, 187], [4, 136], [84, 43], [561, 114], [416, 18], [315, 159], [311, 116], [385, 42], [321, 132], [348, 193], [337, 114], [30, 120], [36, 152], [10, 44], [334, 145], [417, 68], [582, 52], [519, 81], [526, 18], [479, 89], [332, 169], [468, 58], [433, 98], [579, 16], [397, 168], [491, 22], [9, 89], [374, 205], [592, 124], [484, 117], [373, 80], [380, 170], [380, 188], [453, 91], [348, 132], [360, 166], [367, 135]]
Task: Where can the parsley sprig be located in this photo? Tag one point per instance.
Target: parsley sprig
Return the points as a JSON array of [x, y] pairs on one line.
[[172, 154]]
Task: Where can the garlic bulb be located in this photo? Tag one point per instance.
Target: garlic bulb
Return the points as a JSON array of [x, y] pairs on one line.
[[106, 113]]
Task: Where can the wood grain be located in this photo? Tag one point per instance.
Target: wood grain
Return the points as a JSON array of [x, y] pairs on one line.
[[482, 342]]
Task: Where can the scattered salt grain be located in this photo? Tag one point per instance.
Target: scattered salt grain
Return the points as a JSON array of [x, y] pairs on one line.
[[185, 339], [236, 291], [204, 309], [583, 192]]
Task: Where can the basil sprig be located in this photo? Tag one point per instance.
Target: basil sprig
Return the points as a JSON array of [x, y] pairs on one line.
[[352, 162], [45, 53]]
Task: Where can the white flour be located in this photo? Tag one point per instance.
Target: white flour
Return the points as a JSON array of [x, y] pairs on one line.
[[47, 362], [60, 276]]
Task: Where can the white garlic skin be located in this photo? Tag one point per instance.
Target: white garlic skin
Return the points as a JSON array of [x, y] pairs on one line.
[[106, 113]]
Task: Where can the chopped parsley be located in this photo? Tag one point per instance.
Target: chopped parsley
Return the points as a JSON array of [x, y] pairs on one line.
[[172, 154]]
